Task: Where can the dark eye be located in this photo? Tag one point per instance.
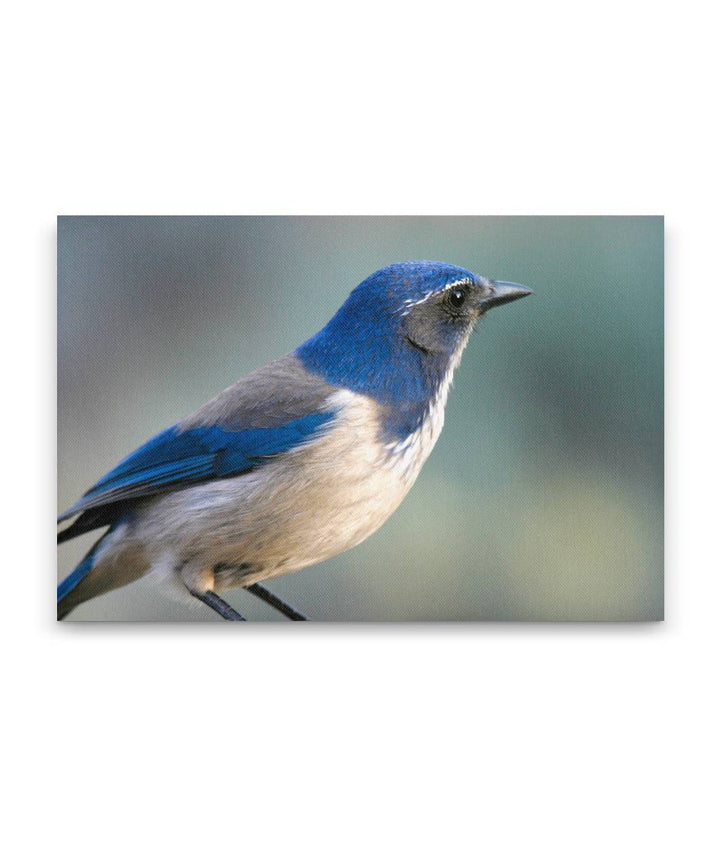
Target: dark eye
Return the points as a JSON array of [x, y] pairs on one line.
[[456, 298]]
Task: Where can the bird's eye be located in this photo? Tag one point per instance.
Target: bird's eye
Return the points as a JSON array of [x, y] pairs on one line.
[[456, 298]]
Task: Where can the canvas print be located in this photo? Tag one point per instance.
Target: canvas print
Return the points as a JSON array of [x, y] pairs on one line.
[[360, 418]]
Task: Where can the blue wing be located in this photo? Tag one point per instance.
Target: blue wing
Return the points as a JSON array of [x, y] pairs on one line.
[[271, 411], [179, 457]]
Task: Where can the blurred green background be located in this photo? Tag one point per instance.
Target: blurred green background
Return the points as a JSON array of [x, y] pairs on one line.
[[543, 499]]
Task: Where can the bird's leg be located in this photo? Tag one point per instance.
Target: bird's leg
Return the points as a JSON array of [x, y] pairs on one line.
[[199, 582], [215, 602], [274, 601]]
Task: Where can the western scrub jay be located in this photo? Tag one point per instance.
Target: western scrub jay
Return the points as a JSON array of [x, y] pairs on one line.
[[300, 460]]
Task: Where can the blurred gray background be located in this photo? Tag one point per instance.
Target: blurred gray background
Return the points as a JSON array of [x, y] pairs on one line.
[[543, 499]]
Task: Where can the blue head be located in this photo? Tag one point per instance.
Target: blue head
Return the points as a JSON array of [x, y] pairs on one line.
[[402, 330]]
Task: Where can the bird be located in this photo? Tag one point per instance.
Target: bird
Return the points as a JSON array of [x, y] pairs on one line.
[[296, 462]]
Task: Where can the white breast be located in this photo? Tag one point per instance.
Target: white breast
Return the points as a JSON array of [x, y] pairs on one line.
[[406, 457], [303, 507]]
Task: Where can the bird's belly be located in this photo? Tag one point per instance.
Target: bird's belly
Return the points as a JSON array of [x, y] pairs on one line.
[[300, 508], [304, 521]]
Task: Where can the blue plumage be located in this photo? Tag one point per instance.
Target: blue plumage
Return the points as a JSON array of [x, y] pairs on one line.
[[217, 501], [363, 347], [73, 579], [176, 458]]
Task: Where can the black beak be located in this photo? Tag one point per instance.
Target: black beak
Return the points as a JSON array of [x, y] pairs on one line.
[[503, 292]]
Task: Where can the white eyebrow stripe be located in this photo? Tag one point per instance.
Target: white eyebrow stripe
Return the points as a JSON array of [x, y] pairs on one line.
[[411, 304]]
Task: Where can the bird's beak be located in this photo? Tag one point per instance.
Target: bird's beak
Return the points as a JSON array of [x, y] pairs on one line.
[[503, 292]]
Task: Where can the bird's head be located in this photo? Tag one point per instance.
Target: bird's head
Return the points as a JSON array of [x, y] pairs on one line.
[[403, 329]]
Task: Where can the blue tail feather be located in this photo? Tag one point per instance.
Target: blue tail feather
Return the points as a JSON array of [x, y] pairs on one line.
[[72, 580]]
